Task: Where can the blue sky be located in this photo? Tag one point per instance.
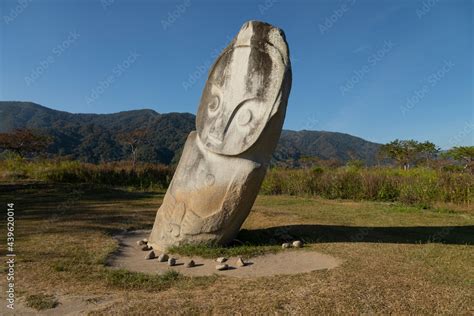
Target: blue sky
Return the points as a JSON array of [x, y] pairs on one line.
[[379, 70]]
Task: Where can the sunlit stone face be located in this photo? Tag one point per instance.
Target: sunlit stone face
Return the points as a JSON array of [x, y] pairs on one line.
[[240, 95]]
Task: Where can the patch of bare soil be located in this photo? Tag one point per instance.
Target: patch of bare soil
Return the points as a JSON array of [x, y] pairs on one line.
[[130, 257], [69, 305]]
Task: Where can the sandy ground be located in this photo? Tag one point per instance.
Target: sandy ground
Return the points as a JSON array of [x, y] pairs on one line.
[[69, 305], [129, 256]]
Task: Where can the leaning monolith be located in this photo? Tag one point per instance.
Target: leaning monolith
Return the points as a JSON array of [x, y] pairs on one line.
[[238, 124]]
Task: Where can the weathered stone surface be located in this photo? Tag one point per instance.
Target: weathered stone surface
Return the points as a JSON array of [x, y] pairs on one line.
[[221, 259], [297, 244], [222, 267], [240, 262], [171, 262], [163, 257], [146, 247], [286, 245], [142, 242], [238, 124], [150, 255]]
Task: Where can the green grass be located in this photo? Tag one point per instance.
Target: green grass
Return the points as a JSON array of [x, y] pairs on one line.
[[205, 251], [419, 260], [145, 176], [41, 301], [124, 279]]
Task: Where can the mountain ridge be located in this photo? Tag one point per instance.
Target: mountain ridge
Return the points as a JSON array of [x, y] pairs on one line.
[[93, 137]]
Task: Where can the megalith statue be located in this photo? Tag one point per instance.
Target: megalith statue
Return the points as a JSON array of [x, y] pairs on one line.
[[238, 125]]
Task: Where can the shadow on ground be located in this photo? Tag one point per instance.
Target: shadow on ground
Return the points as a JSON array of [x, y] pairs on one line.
[[459, 235], [96, 208]]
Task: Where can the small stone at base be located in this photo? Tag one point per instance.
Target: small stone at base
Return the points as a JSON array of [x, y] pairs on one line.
[[297, 244], [222, 267], [241, 262], [171, 262], [150, 255], [286, 245], [146, 248], [221, 259], [163, 257], [190, 264]]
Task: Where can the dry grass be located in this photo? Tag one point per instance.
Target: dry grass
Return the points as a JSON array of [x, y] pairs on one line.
[[41, 301], [397, 259]]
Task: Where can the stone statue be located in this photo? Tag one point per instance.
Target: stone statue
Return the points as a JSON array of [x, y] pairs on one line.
[[238, 124]]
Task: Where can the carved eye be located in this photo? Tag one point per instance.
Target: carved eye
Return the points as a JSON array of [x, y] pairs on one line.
[[214, 103], [245, 116], [210, 179]]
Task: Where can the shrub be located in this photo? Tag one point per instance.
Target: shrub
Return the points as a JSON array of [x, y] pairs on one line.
[[419, 186], [41, 301], [143, 176]]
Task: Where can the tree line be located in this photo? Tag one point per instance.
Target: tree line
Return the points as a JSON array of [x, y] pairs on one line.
[[404, 153]]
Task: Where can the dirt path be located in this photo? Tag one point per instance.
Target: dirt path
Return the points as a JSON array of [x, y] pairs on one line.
[[132, 258]]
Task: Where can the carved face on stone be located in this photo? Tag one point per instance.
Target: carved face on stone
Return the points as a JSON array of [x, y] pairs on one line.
[[242, 92]]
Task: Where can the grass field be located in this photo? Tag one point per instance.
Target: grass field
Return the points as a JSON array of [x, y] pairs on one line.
[[396, 258]]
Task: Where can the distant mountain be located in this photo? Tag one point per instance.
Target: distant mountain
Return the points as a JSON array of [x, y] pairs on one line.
[[325, 145], [95, 137]]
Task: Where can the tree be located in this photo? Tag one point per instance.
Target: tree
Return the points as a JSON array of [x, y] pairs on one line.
[[408, 152], [134, 140], [24, 141], [427, 151], [462, 153]]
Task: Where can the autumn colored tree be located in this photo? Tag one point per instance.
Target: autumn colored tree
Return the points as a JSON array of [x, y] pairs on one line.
[[24, 141]]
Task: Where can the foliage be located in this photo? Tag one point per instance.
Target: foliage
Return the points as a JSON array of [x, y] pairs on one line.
[[142, 176], [464, 154], [41, 301], [355, 164], [134, 140], [97, 138], [408, 152], [417, 186], [24, 141]]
